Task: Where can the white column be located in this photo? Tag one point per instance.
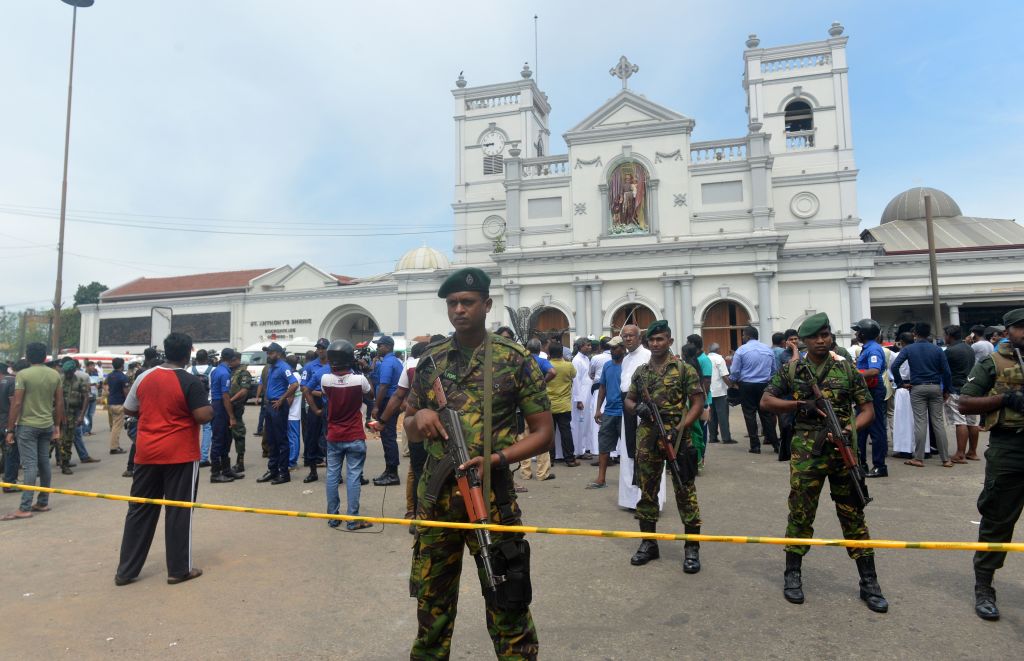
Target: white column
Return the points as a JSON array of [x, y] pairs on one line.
[[764, 305], [512, 300], [686, 306], [668, 288], [954, 313], [581, 308], [853, 284], [596, 320]]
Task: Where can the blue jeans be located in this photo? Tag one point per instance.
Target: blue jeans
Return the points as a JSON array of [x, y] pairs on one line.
[[355, 451], [83, 454], [90, 413], [294, 429], [205, 440], [34, 447]]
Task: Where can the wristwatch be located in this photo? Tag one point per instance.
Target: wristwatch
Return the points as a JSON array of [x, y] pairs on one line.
[[502, 460]]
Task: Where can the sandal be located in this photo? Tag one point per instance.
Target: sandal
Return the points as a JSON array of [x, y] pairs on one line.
[[947, 464], [597, 485], [959, 461], [972, 457], [521, 489], [914, 462], [15, 515], [40, 508], [357, 525]]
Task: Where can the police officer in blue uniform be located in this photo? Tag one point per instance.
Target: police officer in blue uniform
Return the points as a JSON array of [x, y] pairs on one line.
[[312, 420], [388, 370], [871, 363], [220, 448], [280, 388]]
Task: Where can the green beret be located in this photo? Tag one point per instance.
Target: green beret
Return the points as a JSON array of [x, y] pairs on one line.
[[813, 324], [659, 326], [468, 279], [1013, 317]]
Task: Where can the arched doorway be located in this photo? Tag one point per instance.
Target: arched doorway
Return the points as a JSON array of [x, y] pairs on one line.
[[550, 322], [723, 323], [637, 314], [350, 322]]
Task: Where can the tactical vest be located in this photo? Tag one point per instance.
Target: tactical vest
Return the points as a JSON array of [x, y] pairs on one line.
[[73, 398], [1008, 379]]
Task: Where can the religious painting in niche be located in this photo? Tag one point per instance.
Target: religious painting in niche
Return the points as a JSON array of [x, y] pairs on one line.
[[627, 198]]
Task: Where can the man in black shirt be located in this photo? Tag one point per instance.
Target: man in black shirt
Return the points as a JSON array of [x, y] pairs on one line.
[[961, 361], [11, 459]]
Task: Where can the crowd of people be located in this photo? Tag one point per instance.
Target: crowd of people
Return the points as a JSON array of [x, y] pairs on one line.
[[634, 400]]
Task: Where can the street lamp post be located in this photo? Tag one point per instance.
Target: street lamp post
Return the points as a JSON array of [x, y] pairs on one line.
[[55, 326]]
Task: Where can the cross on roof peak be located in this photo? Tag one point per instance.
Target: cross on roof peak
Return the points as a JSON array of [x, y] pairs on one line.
[[623, 70]]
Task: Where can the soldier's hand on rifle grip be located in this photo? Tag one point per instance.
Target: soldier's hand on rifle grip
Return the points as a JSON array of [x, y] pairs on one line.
[[809, 408], [477, 463], [643, 411], [428, 425]]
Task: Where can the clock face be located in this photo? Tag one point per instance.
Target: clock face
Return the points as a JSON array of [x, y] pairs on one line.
[[493, 227], [493, 143]]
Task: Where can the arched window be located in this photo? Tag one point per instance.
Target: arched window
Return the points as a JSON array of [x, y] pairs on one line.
[[799, 125], [723, 322]]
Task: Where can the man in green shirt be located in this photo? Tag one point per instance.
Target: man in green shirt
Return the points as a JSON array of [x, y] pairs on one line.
[[560, 393], [37, 414]]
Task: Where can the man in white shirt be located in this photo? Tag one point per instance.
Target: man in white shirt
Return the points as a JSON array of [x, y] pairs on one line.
[[636, 355], [582, 415], [600, 355], [719, 397]]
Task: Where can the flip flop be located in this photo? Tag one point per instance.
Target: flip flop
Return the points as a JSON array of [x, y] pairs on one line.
[[40, 508], [357, 525], [959, 461], [521, 489], [915, 463], [596, 485], [974, 458], [15, 516], [947, 464]]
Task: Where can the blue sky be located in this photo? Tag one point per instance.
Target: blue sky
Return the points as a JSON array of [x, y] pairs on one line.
[[294, 118]]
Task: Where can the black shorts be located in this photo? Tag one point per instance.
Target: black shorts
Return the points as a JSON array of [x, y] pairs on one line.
[[608, 434]]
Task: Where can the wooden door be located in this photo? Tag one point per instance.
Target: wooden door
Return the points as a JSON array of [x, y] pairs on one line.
[[723, 322]]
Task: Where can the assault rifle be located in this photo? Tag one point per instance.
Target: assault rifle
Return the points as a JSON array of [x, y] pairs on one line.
[[470, 486], [834, 434], [665, 441]]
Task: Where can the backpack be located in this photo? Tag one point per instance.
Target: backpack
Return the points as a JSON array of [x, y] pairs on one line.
[[204, 378]]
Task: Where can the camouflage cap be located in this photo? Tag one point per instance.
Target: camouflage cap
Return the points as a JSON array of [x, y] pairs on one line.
[[467, 279], [1013, 317], [812, 325], [659, 326]]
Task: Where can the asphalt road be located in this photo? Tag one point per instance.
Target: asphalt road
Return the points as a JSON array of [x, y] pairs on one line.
[[278, 587]]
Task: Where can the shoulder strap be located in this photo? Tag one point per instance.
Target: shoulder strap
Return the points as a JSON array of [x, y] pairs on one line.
[[488, 411], [1001, 362]]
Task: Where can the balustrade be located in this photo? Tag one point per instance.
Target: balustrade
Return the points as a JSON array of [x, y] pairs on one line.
[[703, 153], [791, 63], [493, 102], [548, 166]]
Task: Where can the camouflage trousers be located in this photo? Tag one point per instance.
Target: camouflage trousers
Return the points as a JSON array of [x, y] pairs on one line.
[[238, 430], [807, 475], [67, 437], [650, 465], [434, 582]]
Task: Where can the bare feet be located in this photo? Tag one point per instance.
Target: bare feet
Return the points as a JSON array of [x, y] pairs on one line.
[[972, 457], [917, 463], [15, 515], [958, 459]]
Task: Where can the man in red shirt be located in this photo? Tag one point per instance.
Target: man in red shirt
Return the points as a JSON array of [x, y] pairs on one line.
[[170, 405]]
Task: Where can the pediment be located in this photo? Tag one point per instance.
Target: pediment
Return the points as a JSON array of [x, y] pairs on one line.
[[625, 113], [306, 276], [270, 278]]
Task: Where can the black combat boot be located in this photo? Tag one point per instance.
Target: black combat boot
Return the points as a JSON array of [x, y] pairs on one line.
[[648, 548], [985, 595], [691, 552], [217, 475], [312, 477], [227, 471], [389, 478], [870, 592], [239, 466], [793, 585]]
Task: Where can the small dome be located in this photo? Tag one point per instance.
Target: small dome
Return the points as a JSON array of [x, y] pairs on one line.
[[423, 258], [909, 205]]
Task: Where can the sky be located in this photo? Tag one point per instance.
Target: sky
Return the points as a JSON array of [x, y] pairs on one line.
[[324, 128]]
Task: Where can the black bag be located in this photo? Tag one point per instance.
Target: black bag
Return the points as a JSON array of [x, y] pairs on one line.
[[733, 396], [511, 559]]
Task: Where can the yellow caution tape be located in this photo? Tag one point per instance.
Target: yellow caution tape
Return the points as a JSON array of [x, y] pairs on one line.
[[578, 532]]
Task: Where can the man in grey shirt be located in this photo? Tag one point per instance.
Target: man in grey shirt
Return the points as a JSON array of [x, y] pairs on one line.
[[982, 342]]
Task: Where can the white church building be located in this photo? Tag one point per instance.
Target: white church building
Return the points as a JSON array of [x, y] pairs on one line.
[[635, 222]]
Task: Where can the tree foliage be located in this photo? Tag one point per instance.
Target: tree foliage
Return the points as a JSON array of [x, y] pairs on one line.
[[89, 293]]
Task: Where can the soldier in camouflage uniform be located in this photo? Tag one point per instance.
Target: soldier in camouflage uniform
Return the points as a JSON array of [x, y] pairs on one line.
[[238, 392], [76, 398], [675, 389], [460, 362], [844, 387], [994, 388]]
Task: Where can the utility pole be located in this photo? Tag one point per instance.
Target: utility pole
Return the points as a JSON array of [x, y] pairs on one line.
[[55, 325], [933, 267], [22, 329]]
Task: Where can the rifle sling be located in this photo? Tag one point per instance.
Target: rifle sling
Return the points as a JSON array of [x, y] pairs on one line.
[[488, 414]]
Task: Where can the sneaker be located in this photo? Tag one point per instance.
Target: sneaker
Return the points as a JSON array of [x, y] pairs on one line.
[[128, 473], [117, 451]]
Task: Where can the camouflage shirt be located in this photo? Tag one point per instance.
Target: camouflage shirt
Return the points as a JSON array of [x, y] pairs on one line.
[[997, 374], [76, 392], [670, 386], [240, 380], [517, 382], [843, 386]]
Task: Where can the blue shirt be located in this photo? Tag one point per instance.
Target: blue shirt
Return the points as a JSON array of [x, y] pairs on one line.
[[116, 382], [872, 357], [389, 370], [754, 362], [612, 374], [279, 378], [928, 364], [220, 381], [312, 370], [544, 364]]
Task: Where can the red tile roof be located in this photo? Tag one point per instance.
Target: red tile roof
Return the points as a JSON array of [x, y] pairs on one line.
[[220, 282]]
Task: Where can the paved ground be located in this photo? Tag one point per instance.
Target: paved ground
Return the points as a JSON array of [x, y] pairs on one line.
[[280, 587]]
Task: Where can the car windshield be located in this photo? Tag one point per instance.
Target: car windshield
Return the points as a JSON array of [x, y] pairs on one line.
[[254, 358]]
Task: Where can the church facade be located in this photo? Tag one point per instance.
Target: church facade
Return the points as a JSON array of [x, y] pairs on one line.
[[634, 222]]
